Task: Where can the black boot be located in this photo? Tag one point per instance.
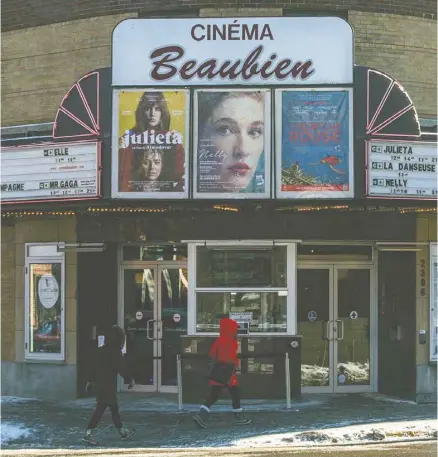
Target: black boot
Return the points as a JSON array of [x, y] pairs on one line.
[[240, 418], [202, 417], [126, 433], [88, 437]]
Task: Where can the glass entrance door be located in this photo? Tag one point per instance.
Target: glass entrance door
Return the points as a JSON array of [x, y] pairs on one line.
[[334, 317], [154, 314]]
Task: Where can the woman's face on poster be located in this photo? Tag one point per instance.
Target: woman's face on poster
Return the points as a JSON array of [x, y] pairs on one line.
[[151, 166], [153, 115], [236, 130]]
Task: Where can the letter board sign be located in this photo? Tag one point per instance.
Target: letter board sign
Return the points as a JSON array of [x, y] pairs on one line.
[[402, 169], [223, 51], [57, 171]]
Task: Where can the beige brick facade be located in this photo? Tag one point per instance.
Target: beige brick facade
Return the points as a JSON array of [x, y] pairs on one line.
[[403, 47], [8, 292], [40, 64], [13, 240]]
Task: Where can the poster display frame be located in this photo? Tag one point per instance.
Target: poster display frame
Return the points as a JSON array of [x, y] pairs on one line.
[[278, 116], [115, 193], [433, 303], [267, 194]]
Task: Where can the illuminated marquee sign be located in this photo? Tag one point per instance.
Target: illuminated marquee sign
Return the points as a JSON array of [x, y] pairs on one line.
[[402, 169], [50, 172], [222, 51]]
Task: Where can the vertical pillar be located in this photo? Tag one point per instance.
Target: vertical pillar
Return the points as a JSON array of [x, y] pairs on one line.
[[426, 383]]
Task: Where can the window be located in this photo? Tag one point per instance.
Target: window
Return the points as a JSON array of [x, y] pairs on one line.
[[253, 267], [253, 284], [164, 252], [44, 304]]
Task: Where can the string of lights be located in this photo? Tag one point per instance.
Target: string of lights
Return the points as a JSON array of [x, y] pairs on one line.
[[97, 211]]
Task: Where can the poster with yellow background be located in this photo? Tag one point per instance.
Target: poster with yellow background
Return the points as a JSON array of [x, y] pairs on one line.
[[129, 101], [152, 143]]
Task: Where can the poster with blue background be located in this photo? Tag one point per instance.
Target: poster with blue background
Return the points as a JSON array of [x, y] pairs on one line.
[[315, 157]]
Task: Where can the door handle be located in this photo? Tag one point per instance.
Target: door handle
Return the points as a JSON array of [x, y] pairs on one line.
[[148, 328], [160, 330], [341, 322], [327, 330], [327, 335]]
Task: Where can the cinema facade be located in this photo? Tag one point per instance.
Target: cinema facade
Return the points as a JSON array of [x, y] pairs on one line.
[[270, 183]]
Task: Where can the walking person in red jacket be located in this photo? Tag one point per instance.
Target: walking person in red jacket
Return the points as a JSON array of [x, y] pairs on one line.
[[224, 349]]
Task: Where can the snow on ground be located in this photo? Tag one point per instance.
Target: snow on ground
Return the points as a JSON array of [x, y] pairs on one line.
[[6, 399], [387, 399], [353, 434], [153, 404], [11, 432]]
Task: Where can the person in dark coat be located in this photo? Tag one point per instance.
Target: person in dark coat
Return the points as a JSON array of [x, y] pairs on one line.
[[109, 363], [224, 349]]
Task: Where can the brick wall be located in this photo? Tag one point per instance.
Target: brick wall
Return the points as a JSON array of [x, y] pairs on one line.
[[40, 64], [13, 281], [18, 14], [405, 48], [8, 293]]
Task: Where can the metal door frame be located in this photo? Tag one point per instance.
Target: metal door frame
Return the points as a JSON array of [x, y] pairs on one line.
[[177, 265], [157, 267], [333, 268], [353, 388], [323, 266]]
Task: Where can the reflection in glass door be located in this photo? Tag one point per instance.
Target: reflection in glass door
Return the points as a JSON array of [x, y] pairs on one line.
[[352, 327], [172, 314], [333, 308], [139, 300], [154, 316], [314, 314]]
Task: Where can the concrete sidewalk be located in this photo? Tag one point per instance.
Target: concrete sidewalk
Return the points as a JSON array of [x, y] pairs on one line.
[[316, 420]]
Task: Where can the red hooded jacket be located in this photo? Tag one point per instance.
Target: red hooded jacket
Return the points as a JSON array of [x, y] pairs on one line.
[[224, 348]]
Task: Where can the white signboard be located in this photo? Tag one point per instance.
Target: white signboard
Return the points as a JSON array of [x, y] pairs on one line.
[[402, 169], [241, 317], [434, 302], [48, 290], [50, 172], [221, 51]]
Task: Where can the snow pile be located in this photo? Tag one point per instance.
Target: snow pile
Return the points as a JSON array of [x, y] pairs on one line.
[[12, 432], [313, 375], [355, 434], [354, 372]]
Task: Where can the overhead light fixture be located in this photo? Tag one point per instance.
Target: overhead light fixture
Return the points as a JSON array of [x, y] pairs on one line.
[[81, 247], [401, 246], [400, 249]]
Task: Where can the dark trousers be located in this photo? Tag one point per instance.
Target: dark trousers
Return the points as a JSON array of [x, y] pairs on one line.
[[215, 392], [100, 409]]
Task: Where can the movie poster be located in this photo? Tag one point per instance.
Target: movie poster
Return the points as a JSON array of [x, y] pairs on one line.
[[232, 137], [314, 144], [151, 144]]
